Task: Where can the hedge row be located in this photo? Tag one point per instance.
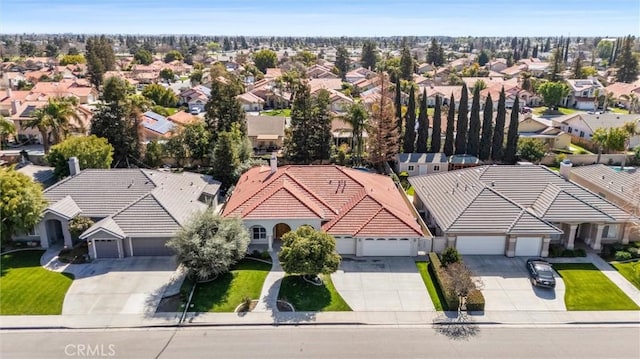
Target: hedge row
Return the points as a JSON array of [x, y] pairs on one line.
[[475, 300]]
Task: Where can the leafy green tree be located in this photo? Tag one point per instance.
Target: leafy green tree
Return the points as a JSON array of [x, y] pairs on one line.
[[463, 122], [21, 203], [306, 57], [208, 244], [627, 63], [369, 56], [577, 68], [196, 77], [604, 49], [435, 53], [177, 148], [154, 154], [497, 143], [173, 55], [167, 75], [54, 119], [72, 60], [224, 109], [160, 95], [301, 141], [484, 152], [265, 59], [119, 123], [78, 225], [423, 124], [406, 64], [308, 252], [7, 128], [91, 151], [511, 149], [143, 57], [410, 119], [552, 93], [28, 48], [342, 62], [437, 123], [225, 160], [100, 58], [449, 133], [483, 58], [557, 65], [473, 136], [116, 89], [531, 149]]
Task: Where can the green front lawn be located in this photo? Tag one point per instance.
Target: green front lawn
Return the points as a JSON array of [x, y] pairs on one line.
[[226, 292], [28, 289], [629, 270], [308, 297], [588, 289], [544, 111], [432, 287], [577, 150], [286, 112]]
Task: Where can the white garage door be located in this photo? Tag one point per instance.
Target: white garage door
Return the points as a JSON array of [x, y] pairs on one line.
[[346, 245], [480, 244], [528, 246], [383, 247]]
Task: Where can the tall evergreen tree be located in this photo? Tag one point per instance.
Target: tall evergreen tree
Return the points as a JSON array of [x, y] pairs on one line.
[[627, 63], [298, 137], [368, 58], [100, 58], [225, 160], [473, 136], [449, 133], [555, 72], [487, 130], [547, 45], [435, 54], [462, 125], [577, 68], [511, 149], [383, 136], [534, 54], [497, 143], [398, 107], [566, 51], [423, 124], [408, 145], [342, 62], [406, 63], [321, 127], [437, 122], [223, 108]]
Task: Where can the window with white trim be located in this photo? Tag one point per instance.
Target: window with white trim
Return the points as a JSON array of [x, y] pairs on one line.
[[258, 232], [610, 231], [410, 168]]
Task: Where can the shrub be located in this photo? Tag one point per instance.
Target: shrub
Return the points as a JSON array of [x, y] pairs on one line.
[[451, 300], [78, 225], [450, 255], [633, 250], [265, 255], [580, 252], [623, 256], [475, 301], [568, 253], [555, 250]]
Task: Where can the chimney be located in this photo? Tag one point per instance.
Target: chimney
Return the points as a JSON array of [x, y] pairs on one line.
[[14, 107], [273, 162], [565, 169], [74, 166], [9, 94]]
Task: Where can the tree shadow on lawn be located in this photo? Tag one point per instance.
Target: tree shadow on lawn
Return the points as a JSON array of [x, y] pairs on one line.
[[20, 259]]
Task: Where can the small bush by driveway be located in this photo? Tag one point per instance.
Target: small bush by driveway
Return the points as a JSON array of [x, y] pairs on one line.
[[28, 289], [506, 285]]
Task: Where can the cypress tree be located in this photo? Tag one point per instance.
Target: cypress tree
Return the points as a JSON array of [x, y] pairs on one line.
[[534, 54], [398, 107], [423, 124], [497, 150], [448, 140], [473, 137], [463, 122], [410, 117], [627, 63], [437, 123], [510, 151], [487, 130]]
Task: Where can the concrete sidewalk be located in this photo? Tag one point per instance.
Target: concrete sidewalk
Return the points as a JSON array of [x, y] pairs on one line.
[[523, 318]]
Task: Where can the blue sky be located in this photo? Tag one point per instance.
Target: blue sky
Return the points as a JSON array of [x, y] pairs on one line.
[[324, 17]]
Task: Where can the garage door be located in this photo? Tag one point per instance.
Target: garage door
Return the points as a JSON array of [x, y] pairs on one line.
[[150, 247], [528, 246], [480, 245], [106, 248], [383, 247], [346, 245]]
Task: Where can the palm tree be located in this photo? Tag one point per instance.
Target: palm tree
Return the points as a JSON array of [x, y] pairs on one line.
[[54, 119], [634, 102], [7, 128], [601, 139], [630, 129], [357, 117]]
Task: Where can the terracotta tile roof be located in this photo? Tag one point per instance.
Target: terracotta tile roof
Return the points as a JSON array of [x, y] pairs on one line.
[[348, 201], [182, 118]]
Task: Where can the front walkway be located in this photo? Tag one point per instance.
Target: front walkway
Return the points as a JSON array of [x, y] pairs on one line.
[[268, 301]]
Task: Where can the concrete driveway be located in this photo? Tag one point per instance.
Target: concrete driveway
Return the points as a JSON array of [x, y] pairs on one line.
[[382, 284], [131, 285], [507, 286]]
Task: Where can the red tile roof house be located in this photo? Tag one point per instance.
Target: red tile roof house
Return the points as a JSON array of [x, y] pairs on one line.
[[365, 212]]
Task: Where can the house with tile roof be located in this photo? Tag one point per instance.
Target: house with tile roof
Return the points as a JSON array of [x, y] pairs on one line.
[[365, 212], [582, 125], [583, 93], [136, 211], [266, 133], [515, 211]]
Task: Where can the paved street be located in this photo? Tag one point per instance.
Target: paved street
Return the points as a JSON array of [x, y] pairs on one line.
[[131, 285], [323, 342], [381, 284], [506, 285]]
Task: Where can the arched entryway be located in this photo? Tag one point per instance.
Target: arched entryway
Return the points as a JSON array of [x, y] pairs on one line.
[[280, 230]]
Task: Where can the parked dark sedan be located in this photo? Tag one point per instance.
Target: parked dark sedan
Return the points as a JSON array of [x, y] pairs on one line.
[[541, 273]]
